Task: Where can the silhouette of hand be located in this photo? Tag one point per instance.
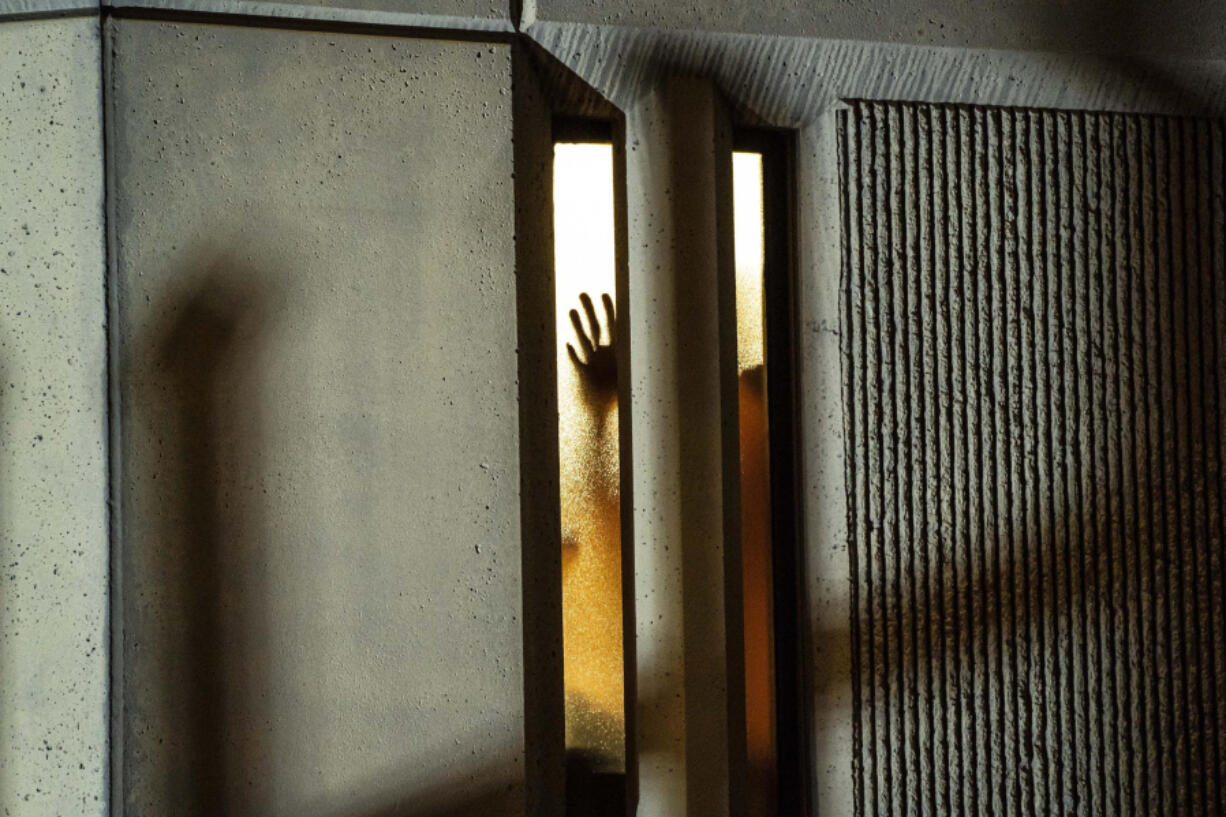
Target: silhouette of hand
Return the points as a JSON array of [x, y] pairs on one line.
[[598, 366]]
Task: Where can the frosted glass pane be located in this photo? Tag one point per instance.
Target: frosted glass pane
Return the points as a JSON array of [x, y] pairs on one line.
[[748, 230], [587, 440]]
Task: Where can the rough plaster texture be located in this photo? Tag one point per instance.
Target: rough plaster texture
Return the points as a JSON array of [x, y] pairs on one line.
[[1034, 317], [313, 241], [53, 542], [1187, 28]]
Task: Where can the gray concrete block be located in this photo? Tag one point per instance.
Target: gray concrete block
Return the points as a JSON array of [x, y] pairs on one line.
[[320, 465], [53, 528]]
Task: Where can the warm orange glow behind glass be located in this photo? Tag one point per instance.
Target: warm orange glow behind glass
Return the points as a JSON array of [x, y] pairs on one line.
[[587, 438], [755, 484], [587, 441], [748, 238]]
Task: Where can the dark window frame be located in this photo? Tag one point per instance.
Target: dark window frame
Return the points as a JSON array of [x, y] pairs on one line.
[[778, 149]]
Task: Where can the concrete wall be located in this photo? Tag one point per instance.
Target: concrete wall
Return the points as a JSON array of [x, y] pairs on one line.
[[53, 544], [690, 688], [1092, 737], [314, 270], [1033, 317], [314, 328], [1182, 28]]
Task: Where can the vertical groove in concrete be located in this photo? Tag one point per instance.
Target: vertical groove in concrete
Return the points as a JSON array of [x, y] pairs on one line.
[[1033, 314]]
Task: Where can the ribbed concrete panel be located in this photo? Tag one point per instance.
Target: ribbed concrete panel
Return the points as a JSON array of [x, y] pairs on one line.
[[1033, 326]]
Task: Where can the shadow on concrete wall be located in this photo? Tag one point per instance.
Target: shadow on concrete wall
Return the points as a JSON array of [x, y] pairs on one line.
[[1072, 657], [1132, 61], [445, 798], [213, 691], [207, 550], [206, 396]]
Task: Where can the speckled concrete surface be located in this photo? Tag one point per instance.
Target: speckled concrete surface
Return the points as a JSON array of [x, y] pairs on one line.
[[318, 522], [465, 15], [485, 11], [468, 15], [29, 8], [1184, 28], [314, 242], [1033, 319], [799, 83], [793, 81], [53, 543], [686, 499]]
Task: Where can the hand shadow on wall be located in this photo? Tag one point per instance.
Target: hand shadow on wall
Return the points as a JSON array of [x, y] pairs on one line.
[[199, 621]]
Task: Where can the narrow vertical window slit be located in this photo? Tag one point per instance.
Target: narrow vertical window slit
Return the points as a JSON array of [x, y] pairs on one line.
[[593, 622], [771, 571]]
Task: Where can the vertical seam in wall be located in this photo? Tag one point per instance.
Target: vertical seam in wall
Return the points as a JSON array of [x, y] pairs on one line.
[[113, 786]]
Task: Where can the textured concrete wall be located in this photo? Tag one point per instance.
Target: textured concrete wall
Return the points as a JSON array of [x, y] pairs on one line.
[[313, 239], [683, 419], [1185, 28], [25, 9], [649, 318], [478, 13], [544, 688], [1034, 318], [457, 15], [469, 15], [792, 82], [53, 542], [801, 83], [314, 230]]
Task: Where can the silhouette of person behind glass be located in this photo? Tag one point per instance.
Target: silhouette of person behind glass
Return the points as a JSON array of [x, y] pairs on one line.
[[591, 565], [594, 358]]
